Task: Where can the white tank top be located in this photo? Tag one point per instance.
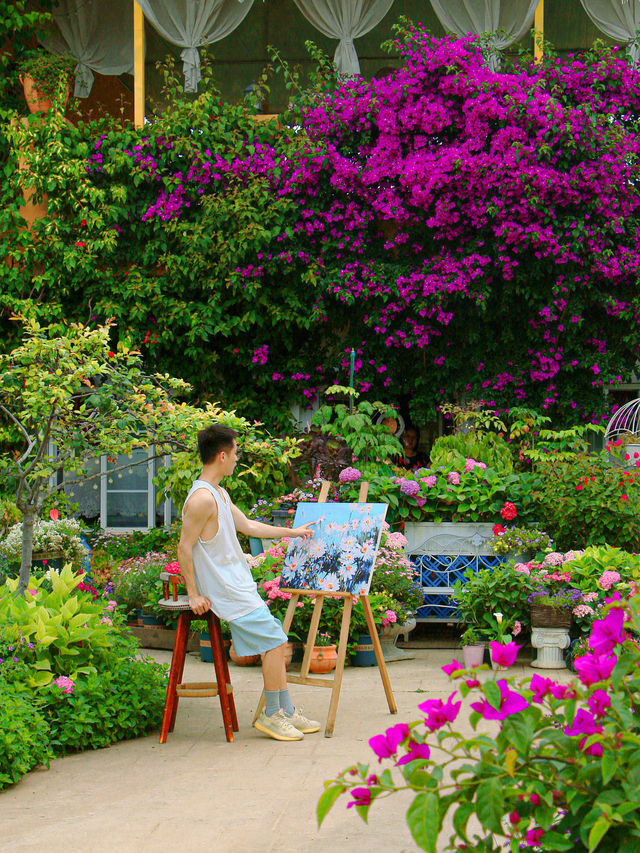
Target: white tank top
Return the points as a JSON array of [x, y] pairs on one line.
[[220, 568]]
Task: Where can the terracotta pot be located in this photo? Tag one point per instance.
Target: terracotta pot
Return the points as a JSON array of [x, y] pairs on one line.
[[323, 659], [36, 101], [243, 660]]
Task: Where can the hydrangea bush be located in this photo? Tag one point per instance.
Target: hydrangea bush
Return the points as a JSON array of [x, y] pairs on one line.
[[549, 766]]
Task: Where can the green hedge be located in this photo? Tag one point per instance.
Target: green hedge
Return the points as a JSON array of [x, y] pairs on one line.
[[24, 735]]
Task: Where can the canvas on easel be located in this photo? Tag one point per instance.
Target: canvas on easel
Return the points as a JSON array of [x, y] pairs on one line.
[[341, 555], [335, 561]]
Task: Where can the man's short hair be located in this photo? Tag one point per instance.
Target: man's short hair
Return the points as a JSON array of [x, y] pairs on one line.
[[213, 440]]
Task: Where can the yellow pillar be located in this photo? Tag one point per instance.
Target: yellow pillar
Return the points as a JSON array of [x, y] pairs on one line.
[[538, 25], [138, 65]]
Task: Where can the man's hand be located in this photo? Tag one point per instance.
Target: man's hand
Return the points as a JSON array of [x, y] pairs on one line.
[[303, 531], [199, 604]]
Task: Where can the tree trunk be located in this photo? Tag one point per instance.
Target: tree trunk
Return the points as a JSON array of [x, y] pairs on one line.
[[28, 517]]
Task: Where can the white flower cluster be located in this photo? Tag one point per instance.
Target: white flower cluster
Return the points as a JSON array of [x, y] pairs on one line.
[[60, 536]]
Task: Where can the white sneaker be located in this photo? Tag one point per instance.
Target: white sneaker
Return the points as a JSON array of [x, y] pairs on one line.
[[278, 726], [301, 722]]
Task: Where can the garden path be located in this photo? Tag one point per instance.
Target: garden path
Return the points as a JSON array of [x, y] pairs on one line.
[[199, 793]]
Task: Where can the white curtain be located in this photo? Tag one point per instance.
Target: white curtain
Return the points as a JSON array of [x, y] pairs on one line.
[[505, 20], [345, 20], [193, 23], [98, 34], [619, 19]]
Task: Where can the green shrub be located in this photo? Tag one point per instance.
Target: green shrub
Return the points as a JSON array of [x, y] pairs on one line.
[[9, 515], [71, 633], [451, 451], [114, 704], [584, 500], [24, 735], [489, 591]]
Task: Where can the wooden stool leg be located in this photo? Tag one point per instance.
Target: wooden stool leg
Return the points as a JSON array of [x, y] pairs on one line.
[[177, 664], [187, 615], [218, 662], [227, 676]]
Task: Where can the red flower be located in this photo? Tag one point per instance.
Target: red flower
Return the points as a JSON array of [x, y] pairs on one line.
[[80, 244], [83, 222], [508, 511], [111, 354], [498, 529]]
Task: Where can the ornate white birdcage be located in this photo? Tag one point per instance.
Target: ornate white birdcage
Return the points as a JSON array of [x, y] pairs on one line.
[[622, 436]]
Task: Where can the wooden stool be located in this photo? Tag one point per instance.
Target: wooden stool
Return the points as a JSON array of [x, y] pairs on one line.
[[175, 689]]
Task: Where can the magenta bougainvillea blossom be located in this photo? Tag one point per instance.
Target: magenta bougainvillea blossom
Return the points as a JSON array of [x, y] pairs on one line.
[[479, 226]]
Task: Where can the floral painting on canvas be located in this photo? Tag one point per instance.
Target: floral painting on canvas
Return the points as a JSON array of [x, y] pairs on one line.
[[341, 554]]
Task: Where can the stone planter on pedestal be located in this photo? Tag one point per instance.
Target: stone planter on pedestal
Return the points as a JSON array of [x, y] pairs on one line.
[[550, 636], [389, 637]]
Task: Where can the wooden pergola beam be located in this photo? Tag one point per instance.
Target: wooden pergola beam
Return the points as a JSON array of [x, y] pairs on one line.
[[138, 65]]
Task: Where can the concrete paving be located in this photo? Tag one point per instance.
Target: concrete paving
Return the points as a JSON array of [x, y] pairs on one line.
[[199, 793]]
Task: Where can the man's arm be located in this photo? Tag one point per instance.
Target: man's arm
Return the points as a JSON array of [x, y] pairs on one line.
[[200, 508], [260, 530]]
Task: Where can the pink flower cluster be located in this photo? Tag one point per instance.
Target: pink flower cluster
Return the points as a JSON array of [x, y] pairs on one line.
[[272, 588], [607, 579], [470, 464], [349, 475], [65, 684]]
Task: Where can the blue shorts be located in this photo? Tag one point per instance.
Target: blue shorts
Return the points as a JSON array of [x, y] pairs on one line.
[[257, 632]]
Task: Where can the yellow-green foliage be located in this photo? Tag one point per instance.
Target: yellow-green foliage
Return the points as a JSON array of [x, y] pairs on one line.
[[62, 622]]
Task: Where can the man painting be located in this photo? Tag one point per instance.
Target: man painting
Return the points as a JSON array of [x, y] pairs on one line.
[[218, 578]]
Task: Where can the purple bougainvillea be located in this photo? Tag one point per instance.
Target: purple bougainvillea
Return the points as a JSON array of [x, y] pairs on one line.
[[467, 231]]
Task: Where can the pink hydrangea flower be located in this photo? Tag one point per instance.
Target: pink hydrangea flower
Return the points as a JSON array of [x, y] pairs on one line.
[[172, 568], [429, 481], [454, 478], [389, 617], [349, 475], [581, 610], [554, 559], [607, 579], [65, 684]]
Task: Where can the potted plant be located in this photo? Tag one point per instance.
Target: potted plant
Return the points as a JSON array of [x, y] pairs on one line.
[[396, 576], [521, 543], [499, 630], [324, 654], [473, 645], [137, 585], [552, 603], [43, 76]]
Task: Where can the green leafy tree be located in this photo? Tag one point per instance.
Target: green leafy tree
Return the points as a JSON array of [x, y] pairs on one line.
[[72, 398]]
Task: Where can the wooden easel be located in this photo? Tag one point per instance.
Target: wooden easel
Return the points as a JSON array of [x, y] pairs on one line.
[[319, 599]]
